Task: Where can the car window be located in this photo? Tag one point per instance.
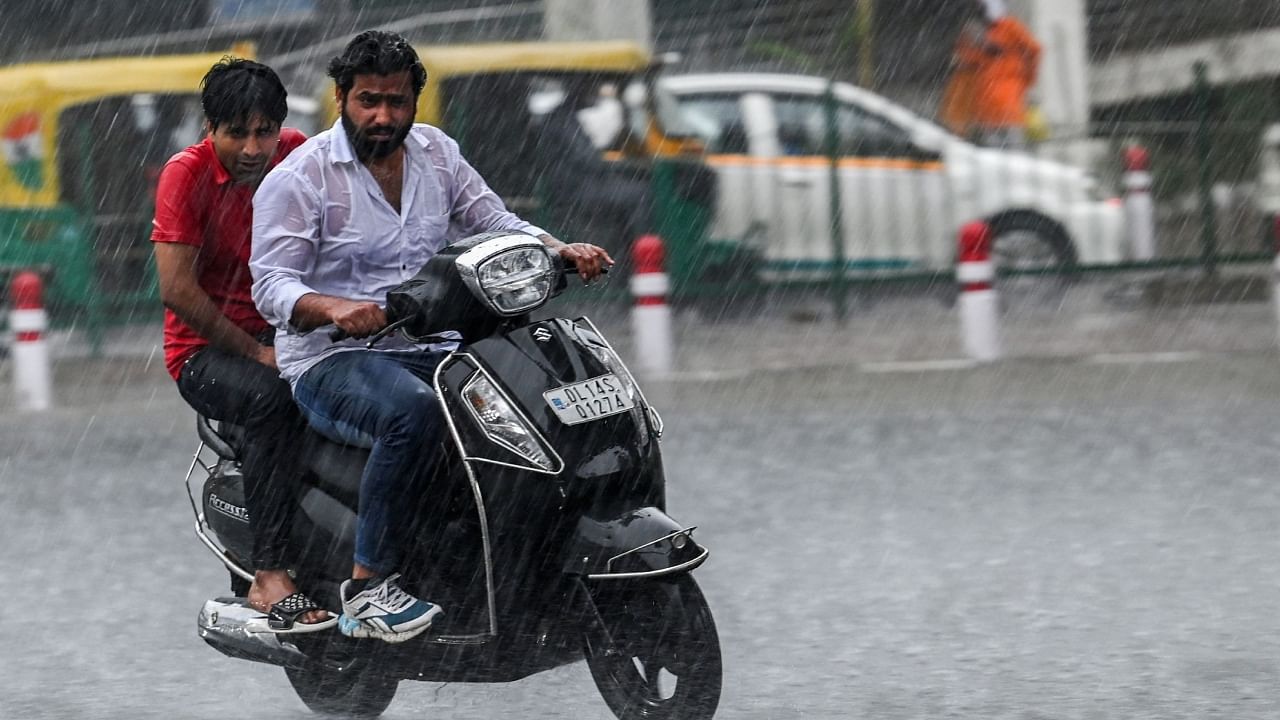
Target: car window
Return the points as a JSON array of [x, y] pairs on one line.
[[802, 129], [111, 150], [802, 125], [864, 134], [603, 119], [716, 120]]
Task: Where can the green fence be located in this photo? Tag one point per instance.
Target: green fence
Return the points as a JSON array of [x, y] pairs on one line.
[[1215, 196]]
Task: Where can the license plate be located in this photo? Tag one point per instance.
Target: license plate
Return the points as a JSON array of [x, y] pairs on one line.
[[589, 400]]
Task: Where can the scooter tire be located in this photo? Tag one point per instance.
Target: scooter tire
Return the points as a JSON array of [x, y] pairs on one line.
[[356, 693], [633, 674]]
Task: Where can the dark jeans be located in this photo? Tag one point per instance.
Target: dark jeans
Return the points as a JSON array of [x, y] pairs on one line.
[[384, 401], [238, 390]]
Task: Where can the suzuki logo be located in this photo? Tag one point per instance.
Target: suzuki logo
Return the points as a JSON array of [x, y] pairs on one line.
[[542, 334]]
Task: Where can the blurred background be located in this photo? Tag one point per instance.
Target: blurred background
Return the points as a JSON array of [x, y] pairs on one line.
[[1192, 86]]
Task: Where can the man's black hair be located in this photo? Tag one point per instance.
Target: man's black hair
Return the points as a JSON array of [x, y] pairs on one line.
[[377, 52], [234, 90]]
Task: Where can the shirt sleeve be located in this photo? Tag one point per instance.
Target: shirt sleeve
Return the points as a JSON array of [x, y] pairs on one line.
[[474, 206], [286, 232], [177, 207]]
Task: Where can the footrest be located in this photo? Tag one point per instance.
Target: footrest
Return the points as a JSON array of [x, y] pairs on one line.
[[223, 623]]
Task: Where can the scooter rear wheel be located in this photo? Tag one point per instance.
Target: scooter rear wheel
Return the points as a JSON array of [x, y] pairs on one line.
[[664, 659], [349, 694]]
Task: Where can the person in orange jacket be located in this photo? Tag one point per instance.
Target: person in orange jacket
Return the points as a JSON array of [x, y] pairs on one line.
[[994, 63]]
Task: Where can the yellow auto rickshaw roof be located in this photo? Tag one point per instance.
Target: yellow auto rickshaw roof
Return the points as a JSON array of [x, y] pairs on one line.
[[33, 96], [442, 61], [109, 76]]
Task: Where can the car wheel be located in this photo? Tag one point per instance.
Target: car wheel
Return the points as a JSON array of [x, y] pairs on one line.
[[1035, 259]]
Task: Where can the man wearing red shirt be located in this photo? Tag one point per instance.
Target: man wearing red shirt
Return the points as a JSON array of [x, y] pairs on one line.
[[217, 347]]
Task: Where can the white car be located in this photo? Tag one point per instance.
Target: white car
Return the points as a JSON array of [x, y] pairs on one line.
[[1268, 191], [906, 185]]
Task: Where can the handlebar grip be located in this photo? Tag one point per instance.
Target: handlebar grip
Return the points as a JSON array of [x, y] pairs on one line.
[[337, 334]]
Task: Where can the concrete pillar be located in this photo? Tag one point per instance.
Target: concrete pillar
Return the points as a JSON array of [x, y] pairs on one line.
[[1062, 90], [598, 20]]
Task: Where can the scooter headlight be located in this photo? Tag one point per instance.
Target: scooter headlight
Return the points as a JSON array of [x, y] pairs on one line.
[[512, 274], [501, 423]]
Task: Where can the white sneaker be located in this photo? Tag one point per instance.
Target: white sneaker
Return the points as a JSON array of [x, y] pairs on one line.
[[385, 611]]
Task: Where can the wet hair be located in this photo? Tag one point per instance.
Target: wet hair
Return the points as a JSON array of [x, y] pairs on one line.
[[377, 52], [234, 90]]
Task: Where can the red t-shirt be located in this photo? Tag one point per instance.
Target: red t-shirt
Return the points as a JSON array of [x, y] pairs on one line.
[[198, 205]]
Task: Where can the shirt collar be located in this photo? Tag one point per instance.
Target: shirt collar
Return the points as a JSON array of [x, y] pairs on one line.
[[340, 150], [220, 174], [418, 139]]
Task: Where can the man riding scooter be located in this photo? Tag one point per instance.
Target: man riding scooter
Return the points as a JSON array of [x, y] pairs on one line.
[[354, 213]]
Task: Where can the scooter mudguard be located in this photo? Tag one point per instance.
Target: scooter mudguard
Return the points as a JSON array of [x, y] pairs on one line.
[[642, 543]]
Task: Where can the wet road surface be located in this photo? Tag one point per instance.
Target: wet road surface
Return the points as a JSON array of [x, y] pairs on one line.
[[1037, 539]]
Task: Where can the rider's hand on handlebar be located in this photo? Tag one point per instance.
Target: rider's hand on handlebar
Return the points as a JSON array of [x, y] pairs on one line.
[[266, 354], [358, 319], [590, 260]]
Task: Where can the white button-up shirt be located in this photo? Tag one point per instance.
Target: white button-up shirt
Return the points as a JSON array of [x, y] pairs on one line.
[[322, 225]]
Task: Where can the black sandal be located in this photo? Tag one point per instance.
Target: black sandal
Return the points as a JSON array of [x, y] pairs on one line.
[[282, 619]]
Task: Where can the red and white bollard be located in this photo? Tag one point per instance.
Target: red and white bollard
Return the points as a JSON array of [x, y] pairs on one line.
[[979, 305], [1139, 210], [32, 381], [650, 316]]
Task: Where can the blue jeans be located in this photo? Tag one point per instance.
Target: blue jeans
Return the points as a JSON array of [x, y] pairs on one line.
[[384, 401]]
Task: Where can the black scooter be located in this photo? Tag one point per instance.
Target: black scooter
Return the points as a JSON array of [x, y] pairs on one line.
[[551, 542]]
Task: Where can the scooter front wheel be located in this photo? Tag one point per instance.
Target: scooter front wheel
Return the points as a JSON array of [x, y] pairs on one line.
[[653, 650], [354, 693]]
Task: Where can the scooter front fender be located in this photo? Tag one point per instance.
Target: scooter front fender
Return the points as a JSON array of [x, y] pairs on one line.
[[642, 543]]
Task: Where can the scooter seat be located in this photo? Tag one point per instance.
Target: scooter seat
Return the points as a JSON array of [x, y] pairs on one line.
[[336, 466], [226, 440]]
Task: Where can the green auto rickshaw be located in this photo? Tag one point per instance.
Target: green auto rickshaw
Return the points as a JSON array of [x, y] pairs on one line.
[[83, 144]]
